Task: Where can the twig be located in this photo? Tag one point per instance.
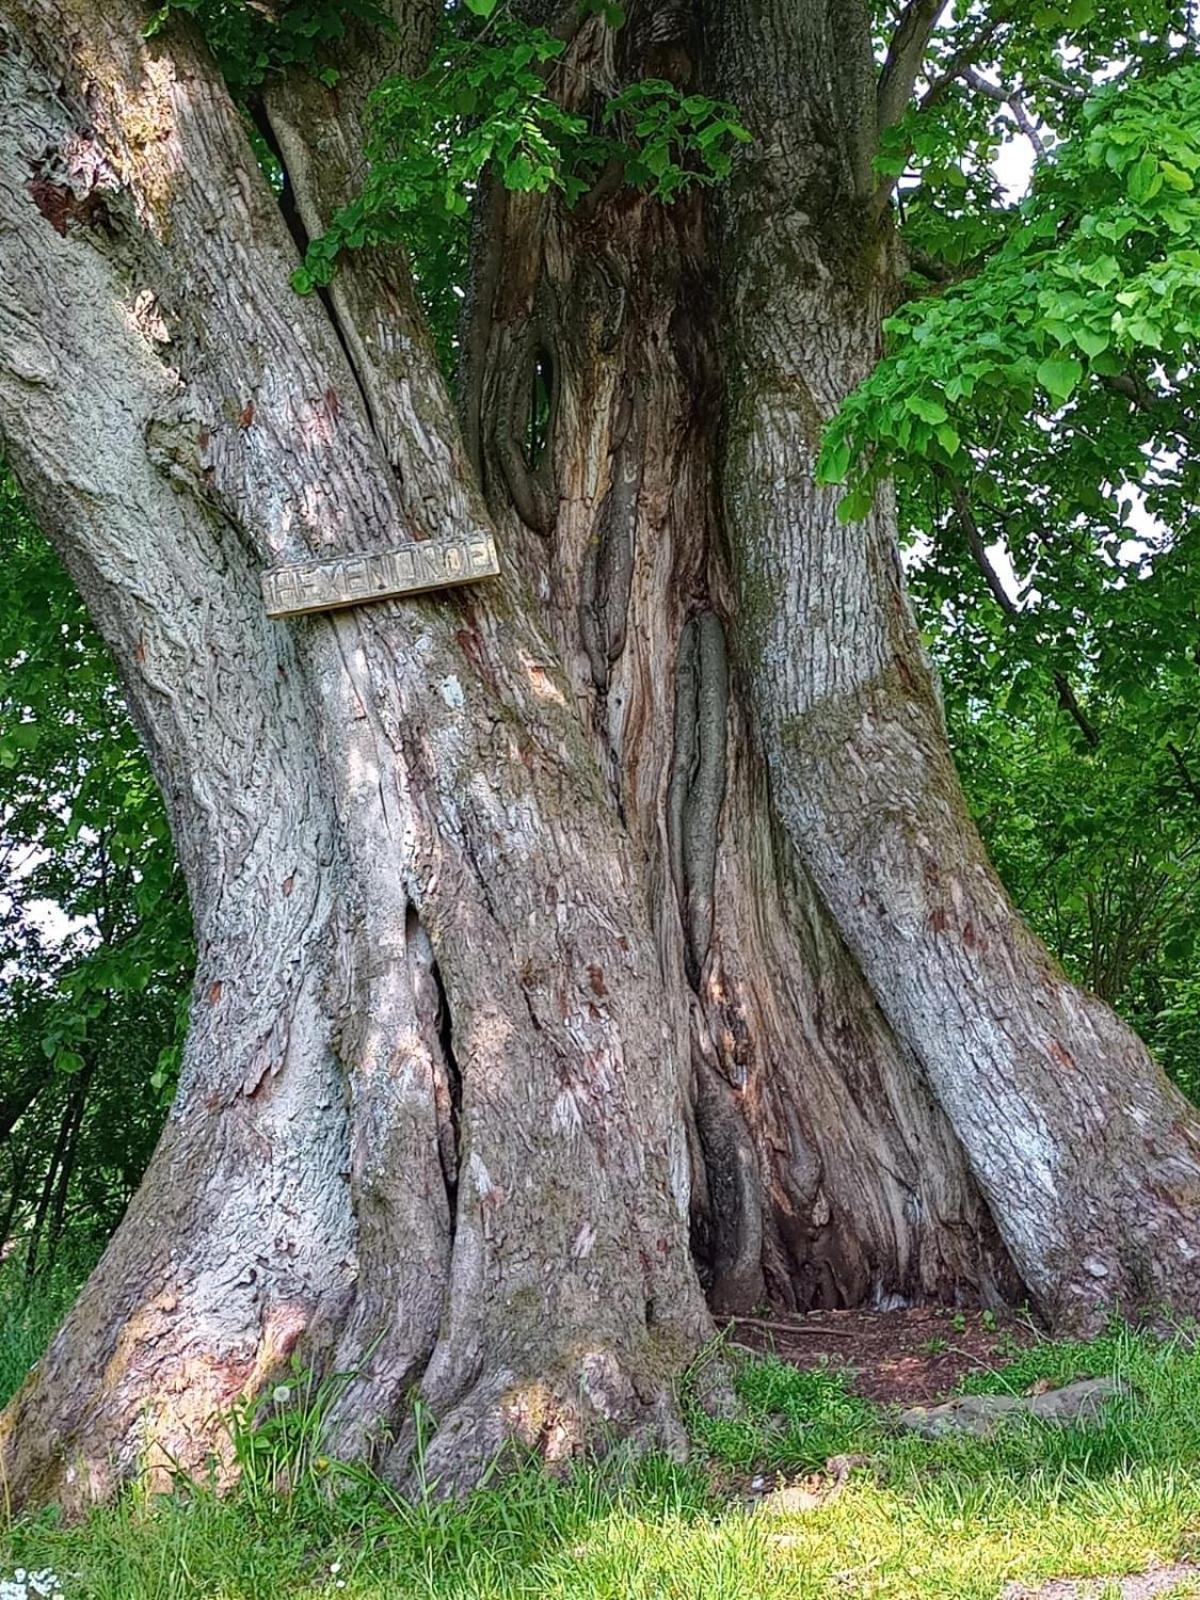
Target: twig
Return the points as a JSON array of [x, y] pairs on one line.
[[792, 1327], [1177, 756], [1067, 698]]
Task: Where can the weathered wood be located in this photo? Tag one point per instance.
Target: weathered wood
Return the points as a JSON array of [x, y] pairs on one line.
[[327, 585]]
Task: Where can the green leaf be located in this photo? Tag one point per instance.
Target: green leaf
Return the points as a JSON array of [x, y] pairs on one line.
[[928, 410], [834, 462], [854, 506], [1092, 340], [1059, 376], [1176, 176], [1145, 179]]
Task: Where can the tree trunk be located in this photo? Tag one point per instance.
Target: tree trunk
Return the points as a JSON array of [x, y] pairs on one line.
[[241, 1235], [823, 1173], [384, 816], [1088, 1158], [555, 951]]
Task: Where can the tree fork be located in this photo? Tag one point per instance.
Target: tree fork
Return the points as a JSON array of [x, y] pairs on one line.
[[823, 1173]]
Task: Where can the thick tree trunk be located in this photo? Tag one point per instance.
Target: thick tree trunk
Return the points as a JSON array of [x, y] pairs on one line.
[[824, 1173], [543, 924], [457, 931], [1088, 1158], [241, 1234]]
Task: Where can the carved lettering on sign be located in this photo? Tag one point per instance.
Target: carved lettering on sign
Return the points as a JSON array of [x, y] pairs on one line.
[[348, 580]]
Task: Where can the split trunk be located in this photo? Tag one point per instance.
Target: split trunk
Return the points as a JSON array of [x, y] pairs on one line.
[[579, 955]]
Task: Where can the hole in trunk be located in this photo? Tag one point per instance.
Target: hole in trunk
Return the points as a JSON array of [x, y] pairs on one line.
[[537, 424]]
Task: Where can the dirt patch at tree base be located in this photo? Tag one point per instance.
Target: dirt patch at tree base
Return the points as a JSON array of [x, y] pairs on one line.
[[915, 1356]]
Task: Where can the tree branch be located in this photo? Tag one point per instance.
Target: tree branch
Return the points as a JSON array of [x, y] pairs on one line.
[[894, 96], [1185, 772], [905, 58], [975, 544], [1012, 103], [1067, 697], [318, 134], [967, 55], [1069, 702]]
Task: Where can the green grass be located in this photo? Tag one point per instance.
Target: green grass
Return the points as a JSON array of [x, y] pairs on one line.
[[956, 1519], [29, 1315]]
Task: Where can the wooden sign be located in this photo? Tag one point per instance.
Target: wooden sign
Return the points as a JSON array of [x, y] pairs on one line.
[[350, 580]]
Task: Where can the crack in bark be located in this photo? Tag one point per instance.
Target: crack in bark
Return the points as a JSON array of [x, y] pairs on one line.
[[437, 1026], [727, 1219], [608, 569], [697, 787], [293, 217]]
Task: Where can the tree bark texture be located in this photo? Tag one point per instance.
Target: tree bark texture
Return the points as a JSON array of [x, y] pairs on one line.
[[823, 1172], [459, 1059], [581, 945], [1089, 1160]]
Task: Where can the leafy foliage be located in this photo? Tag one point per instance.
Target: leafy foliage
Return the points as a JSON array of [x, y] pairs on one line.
[[251, 39], [489, 106], [1100, 281], [1100, 846], [94, 931]]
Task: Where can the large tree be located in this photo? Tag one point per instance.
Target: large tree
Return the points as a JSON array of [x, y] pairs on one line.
[[599, 947]]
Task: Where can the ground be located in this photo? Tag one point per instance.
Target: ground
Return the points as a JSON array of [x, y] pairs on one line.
[[809, 1492], [910, 1357]]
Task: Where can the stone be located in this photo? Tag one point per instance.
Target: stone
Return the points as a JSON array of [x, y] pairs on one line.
[[980, 1414], [1164, 1581]]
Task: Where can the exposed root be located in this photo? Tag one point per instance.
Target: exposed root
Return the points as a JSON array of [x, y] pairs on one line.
[[594, 1409]]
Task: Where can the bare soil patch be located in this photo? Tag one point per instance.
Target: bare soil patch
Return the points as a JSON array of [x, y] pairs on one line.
[[915, 1356], [1178, 1580]]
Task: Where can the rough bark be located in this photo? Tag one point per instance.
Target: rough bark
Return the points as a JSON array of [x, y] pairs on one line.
[[1088, 1159], [241, 1231], [540, 922], [824, 1173], [466, 841]]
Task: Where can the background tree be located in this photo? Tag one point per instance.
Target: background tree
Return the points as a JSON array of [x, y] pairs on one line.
[[94, 943], [614, 931]]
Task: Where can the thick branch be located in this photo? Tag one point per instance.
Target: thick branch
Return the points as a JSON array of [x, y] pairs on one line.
[[960, 62], [905, 58]]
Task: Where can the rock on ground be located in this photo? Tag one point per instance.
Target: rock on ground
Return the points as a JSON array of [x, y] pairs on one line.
[[1137, 1586], [979, 1414]]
